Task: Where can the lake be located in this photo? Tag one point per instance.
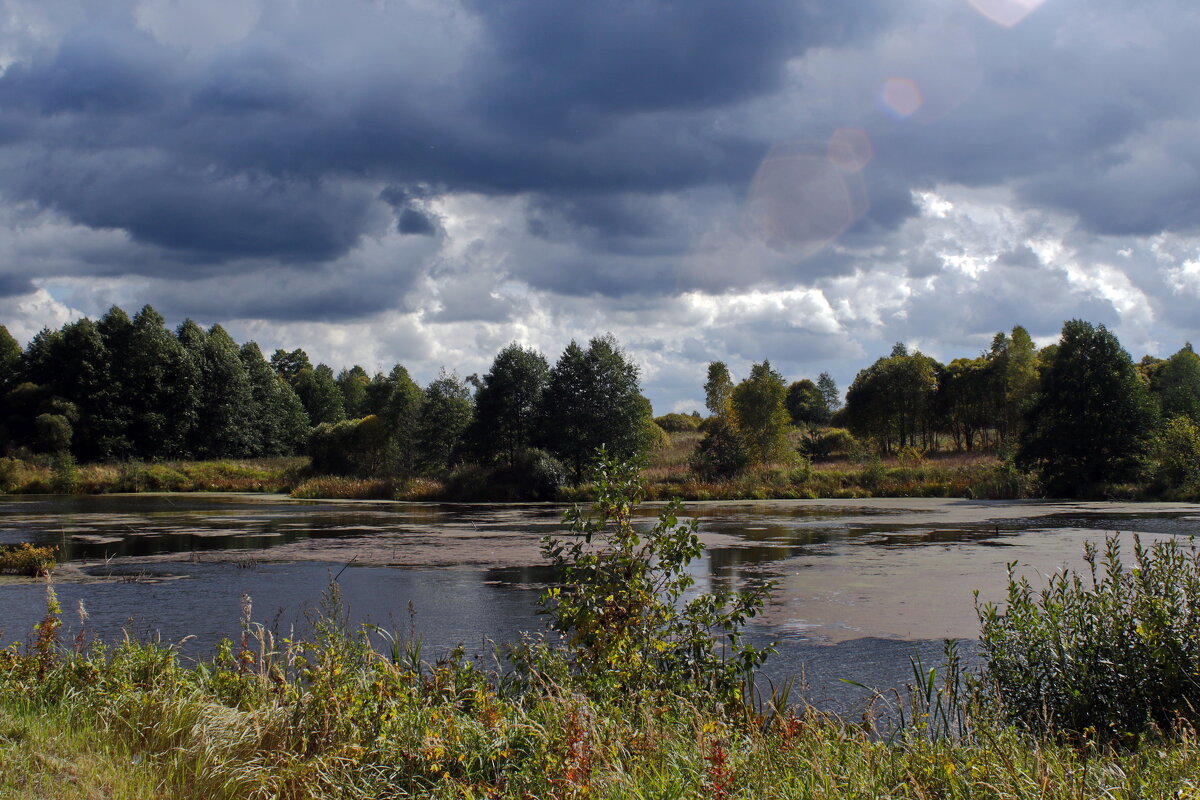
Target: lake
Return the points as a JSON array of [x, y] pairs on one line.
[[860, 585]]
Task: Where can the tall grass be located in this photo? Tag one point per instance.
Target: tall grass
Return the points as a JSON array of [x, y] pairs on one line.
[[346, 713], [356, 713], [45, 476]]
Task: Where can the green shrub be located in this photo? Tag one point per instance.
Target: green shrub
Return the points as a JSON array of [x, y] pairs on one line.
[[53, 432], [64, 474], [1111, 653], [1177, 453], [626, 631], [721, 453], [655, 438], [26, 559], [538, 475], [1003, 481], [350, 447], [677, 423]]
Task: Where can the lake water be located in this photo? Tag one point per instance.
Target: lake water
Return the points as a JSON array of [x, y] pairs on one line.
[[860, 585]]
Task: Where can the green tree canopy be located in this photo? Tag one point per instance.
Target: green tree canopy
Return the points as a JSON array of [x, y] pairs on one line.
[[592, 399], [829, 391], [10, 358], [760, 414], [965, 401], [279, 423], [289, 365], [225, 409], [507, 403], [893, 400], [160, 384], [718, 389], [396, 399], [1177, 385], [806, 404], [319, 393], [353, 384], [446, 412], [1014, 365], [1093, 419]]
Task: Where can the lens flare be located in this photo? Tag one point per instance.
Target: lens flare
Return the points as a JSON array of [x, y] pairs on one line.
[[902, 96], [850, 149], [802, 199], [1006, 12]]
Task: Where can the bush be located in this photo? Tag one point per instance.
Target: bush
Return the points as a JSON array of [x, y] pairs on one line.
[[26, 559], [1177, 453], [626, 631], [832, 441], [64, 474], [53, 433], [539, 474], [721, 453], [351, 447], [655, 438], [677, 423], [1112, 654]]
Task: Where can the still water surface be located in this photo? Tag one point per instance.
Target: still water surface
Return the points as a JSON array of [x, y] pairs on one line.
[[860, 586]]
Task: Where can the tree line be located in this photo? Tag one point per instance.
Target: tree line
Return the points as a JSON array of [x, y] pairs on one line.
[[1078, 413], [129, 388]]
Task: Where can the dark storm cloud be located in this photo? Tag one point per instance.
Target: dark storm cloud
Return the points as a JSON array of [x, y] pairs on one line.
[[279, 295], [1070, 108], [199, 212], [611, 118], [246, 151], [14, 285], [569, 65]]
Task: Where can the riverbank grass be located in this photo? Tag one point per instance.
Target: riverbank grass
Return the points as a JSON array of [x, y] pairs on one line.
[[53, 754], [638, 694], [352, 714]]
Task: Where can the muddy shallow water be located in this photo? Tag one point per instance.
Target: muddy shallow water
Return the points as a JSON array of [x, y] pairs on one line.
[[860, 585]]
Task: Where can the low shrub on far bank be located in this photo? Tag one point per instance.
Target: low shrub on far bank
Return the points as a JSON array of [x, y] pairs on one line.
[[60, 475], [337, 487], [27, 559]]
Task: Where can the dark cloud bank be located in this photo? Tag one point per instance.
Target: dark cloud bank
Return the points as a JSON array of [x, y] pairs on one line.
[[629, 130]]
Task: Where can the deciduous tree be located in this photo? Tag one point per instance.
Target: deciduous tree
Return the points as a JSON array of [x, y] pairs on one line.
[[592, 399], [1093, 419], [760, 414], [507, 402]]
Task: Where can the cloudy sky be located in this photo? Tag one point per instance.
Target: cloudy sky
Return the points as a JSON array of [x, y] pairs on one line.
[[424, 181]]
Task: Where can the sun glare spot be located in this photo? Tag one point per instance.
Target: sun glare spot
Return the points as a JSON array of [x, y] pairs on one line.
[[902, 96], [1006, 12], [850, 149], [802, 197]]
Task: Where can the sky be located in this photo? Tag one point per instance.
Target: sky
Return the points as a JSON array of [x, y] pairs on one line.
[[426, 181]]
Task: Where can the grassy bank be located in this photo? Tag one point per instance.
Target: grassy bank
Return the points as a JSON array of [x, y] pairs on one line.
[[354, 714], [667, 474], [48, 475], [1087, 693]]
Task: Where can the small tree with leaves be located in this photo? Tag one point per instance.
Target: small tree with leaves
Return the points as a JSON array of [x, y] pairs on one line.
[[626, 630]]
